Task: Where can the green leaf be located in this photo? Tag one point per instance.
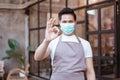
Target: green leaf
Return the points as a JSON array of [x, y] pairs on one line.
[[29, 48], [10, 53], [13, 44], [22, 60]]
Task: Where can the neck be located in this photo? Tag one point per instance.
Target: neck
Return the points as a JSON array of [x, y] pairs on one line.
[[68, 34]]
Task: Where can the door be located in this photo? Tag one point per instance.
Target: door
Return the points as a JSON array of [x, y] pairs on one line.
[[101, 33]]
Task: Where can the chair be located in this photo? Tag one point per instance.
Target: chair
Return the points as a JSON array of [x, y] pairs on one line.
[[18, 74], [2, 70]]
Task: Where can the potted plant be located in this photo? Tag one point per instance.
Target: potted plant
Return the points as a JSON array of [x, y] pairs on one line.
[[14, 52]]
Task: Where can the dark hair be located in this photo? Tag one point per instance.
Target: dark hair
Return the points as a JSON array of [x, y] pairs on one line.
[[67, 11]]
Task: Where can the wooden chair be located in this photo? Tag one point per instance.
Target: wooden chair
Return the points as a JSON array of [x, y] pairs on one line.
[[14, 74], [2, 70]]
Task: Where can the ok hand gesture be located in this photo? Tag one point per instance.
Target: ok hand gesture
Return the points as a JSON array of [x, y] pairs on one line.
[[51, 31]]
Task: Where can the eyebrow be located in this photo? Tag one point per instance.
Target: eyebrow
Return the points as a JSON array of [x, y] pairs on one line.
[[67, 21]]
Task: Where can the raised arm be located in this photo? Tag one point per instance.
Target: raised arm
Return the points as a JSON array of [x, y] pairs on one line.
[[51, 33]]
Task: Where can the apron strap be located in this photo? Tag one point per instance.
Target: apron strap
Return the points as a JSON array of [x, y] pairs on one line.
[[78, 38]]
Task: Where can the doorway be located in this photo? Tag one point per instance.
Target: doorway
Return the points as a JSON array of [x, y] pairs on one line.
[[101, 28]]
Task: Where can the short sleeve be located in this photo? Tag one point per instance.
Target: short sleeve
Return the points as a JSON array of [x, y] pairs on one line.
[[50, 45], [88, 52], [87, 49]]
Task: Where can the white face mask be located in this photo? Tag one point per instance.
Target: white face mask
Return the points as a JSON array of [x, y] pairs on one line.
[[67, 28]]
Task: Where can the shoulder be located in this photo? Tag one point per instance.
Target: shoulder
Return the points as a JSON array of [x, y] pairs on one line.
[[54, 42], [87, 47], [83, 41]]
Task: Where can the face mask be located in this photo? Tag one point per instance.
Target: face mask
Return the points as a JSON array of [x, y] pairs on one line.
[[67, 28]]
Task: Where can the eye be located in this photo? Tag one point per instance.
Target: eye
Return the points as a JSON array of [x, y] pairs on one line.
[[71, 21], [64, 21]]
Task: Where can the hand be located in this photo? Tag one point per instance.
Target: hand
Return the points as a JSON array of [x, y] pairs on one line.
[[51, 31]]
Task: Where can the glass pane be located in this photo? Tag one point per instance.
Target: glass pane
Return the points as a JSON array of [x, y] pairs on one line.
[[34, 39], [94, 1], [108, 65], [108, 68], [107, 18], [34, 16], [54, 15], [44, 10], [76, 3], [82, 2], [95, 62], [58, 5], [45, 68], [43, 19], [80, 30], [108, 45], [33, 65], [92, 20], [42, 35], [80, 14], [93, 39]]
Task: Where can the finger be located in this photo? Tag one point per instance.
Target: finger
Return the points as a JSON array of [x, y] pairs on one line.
[[56, 30], [49, 23], [53, 21]]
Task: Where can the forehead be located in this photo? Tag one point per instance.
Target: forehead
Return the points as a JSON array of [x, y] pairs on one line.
[[67, 17]]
